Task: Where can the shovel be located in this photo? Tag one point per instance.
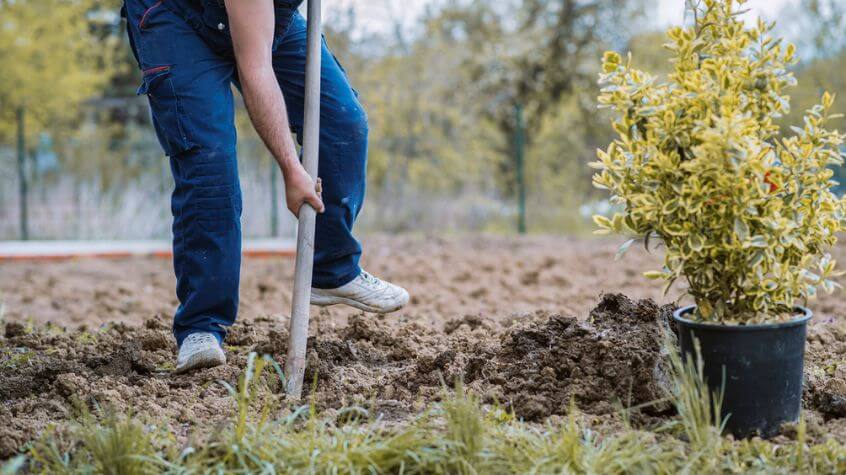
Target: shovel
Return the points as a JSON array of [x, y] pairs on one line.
[[296, 359]]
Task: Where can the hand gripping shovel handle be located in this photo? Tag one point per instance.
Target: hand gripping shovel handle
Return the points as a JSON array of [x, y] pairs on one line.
[[296, 359]]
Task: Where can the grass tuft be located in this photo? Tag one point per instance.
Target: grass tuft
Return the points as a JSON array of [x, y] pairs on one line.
[[457, 436], [465, 432], [110, 445], [698, 408]]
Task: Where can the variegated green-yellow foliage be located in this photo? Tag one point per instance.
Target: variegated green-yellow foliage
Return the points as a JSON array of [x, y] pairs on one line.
[[745, 214]]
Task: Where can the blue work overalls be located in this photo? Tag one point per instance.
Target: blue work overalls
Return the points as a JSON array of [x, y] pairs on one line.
[[184, 50]]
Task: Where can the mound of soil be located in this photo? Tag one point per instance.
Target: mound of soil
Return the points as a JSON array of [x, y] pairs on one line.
[[535, 364], [613, 357], [534, 367]]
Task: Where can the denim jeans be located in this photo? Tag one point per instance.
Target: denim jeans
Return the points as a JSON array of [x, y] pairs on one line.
[[185, 52]]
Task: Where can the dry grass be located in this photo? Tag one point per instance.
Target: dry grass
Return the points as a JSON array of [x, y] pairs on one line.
[[456, 436]]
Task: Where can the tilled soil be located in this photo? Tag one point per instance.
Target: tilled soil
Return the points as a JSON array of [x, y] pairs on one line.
[[493, 277], [533, 365], [523, 323]]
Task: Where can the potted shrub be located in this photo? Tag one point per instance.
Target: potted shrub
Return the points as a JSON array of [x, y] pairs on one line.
[[745, 215]]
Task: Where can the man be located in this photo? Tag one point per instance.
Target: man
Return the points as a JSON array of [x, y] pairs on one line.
[[191, 52]]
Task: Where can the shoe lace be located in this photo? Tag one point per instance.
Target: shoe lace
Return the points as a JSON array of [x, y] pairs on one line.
[[204, 338], [370, 279]]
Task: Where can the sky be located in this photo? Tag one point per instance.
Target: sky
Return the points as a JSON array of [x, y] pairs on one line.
[[375, 15], [672, 11]]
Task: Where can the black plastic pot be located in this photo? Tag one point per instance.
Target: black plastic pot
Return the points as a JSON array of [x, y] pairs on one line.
[[763, 369]]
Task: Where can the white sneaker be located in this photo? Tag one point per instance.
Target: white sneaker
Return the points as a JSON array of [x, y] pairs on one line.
[[365, 292], [199, 350]]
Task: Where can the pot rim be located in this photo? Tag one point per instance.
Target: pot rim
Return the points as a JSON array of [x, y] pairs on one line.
[[803, 315]]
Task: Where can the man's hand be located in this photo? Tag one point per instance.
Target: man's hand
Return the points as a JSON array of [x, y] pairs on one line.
[[301, 189]]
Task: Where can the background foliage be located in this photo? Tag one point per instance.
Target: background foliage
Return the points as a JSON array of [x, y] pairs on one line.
[[441, 93]]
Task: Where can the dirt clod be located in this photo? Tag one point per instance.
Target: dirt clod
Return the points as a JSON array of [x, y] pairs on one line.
[[615, 356], [14, 329]]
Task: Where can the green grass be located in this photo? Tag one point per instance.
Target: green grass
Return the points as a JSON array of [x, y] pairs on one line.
[[86, 337], [458, 436], [14, 358]]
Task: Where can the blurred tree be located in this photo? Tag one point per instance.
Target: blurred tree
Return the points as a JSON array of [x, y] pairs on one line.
[[53, 60], [816, 26], [424, 135], [830, 23], [568, 136], [442, 99], [531, 54], [440, 91], [649, 53], [339, 30]]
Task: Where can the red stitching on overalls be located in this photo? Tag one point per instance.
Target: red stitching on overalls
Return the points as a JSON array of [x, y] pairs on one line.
[[155, 70], [147, 12]]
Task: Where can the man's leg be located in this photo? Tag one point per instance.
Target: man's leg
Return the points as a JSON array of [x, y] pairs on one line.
[[338, 279], [188, 87], [343, 154]]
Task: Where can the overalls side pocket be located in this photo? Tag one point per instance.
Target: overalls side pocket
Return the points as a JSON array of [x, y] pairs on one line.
[[168, 115]]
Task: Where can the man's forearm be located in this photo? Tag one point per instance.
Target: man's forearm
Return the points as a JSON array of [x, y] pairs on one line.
[[266, 107], [252, 27]]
